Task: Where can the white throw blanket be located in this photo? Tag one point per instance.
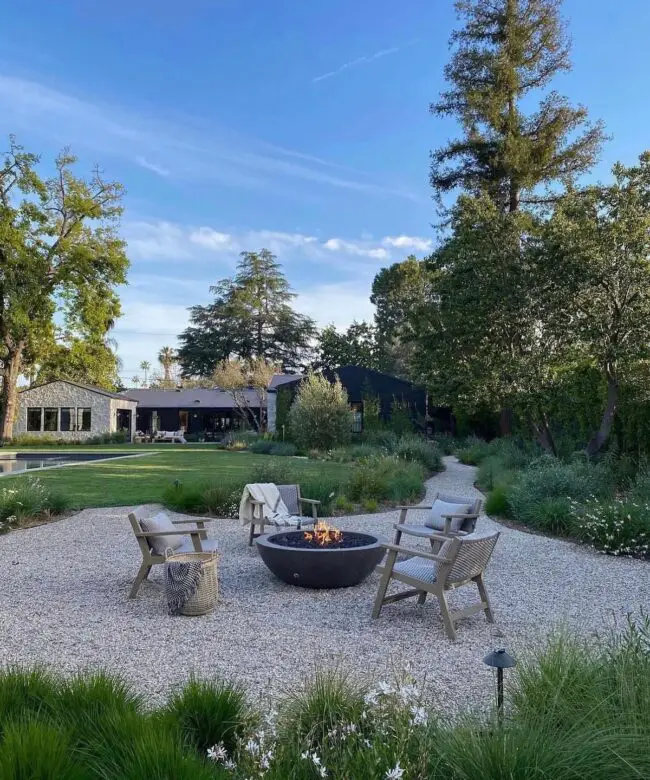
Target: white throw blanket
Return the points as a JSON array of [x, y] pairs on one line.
[[274, 510]]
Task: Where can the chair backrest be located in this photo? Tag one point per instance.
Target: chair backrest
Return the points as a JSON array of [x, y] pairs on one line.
[[134, 518], [469, 524], [290, 494], [469, 556]]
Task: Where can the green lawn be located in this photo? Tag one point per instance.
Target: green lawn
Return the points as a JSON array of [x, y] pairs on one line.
[[142, 480]]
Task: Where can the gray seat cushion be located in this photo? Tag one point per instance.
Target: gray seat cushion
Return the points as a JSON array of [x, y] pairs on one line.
[[157, 524], [207, 545], [420, 568], [440, 509]]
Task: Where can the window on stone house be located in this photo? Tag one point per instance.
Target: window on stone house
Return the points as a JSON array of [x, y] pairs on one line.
[[67, 417], [83, 419], [34, 415], [51, 419]]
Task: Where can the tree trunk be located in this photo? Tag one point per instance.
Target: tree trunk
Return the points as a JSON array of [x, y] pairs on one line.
[[602, 434], [9, 395], [544, 436]]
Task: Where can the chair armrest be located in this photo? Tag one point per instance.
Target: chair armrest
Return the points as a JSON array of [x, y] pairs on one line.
[[415, 506], [419, 553], [200, 521], [255, 502], [459, 516], [411, 531], [310, 501]]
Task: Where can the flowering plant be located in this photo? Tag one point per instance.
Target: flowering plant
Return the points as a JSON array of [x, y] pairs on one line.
[[615, 527]]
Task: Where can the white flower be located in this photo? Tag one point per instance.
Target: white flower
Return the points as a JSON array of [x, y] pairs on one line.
[[384, 688], [419, 716], [371, 698], [218, 753], [395, 773], [252, 747], [322, 771], [408, 692], [230, 764]]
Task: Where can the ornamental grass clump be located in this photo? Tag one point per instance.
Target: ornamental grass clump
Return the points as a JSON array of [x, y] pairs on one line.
[[386, 478], [27, 499]]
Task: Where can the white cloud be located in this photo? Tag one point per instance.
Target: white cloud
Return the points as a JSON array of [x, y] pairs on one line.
[[187, 149], [364, 60], [158, 240], [355, 248], [211, 239], [157, 169], [408, 242]]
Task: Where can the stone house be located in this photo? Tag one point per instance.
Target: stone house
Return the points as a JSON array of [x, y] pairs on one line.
[[68, 410]]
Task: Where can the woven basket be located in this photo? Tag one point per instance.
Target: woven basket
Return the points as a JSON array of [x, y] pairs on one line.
[[207, 593]]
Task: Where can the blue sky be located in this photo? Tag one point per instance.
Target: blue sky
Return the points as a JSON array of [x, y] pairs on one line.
[[302, 127]]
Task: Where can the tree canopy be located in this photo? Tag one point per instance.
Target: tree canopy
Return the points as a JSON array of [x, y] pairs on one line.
[[251, 317], [355, 346], [60, 256], [506, 51]]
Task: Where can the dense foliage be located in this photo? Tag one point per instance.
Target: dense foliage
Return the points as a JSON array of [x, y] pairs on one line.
[[576, 710], [60, 260], [320, 414], [251, 317]]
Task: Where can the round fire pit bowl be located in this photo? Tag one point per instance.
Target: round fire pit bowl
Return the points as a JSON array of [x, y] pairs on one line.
[[335, 565]]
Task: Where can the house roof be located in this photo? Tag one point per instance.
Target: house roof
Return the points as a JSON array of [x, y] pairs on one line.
[[283, 379], [90, 388], [199, 398]]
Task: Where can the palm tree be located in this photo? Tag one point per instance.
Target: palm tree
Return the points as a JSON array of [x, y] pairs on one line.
[[145, 366], [135, 381], [167, 358]]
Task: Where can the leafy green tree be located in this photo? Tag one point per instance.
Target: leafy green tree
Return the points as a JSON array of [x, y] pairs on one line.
[[241, 377], [60, 256], [480, 334], [320, 414], [356, 346], [250, 317], [93, 362], [507, 51], [397, 291], [598, 246]]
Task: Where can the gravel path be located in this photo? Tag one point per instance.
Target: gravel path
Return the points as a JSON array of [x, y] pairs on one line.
[[63, 602]]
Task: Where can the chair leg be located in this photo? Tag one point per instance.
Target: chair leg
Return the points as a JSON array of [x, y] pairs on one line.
[[422, 597], [446, 617], [251, 534], [383, 583], [485, 598], [142, 575]]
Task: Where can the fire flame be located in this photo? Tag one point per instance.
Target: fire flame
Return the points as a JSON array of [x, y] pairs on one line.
[[323, 534]]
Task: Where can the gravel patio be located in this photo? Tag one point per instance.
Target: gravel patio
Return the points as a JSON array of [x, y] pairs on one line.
[[63, 601]]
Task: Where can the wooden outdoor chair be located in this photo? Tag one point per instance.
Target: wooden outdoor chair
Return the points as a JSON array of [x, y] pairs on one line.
[[448, 516], [294, 502], [461, 561], [155, 535]]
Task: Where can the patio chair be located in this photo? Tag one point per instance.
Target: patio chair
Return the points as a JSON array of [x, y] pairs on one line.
[[461, 561], [155, 535], [448, 516], [256, 512]]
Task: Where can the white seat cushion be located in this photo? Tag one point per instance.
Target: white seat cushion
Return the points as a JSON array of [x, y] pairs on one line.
[[418, 568], [440, 508], [207, 545], [157, 524]]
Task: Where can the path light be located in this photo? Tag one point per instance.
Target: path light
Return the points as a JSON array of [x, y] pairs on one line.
[[499, 660]]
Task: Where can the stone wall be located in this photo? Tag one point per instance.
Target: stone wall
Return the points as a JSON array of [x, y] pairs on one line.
[[62, 394]]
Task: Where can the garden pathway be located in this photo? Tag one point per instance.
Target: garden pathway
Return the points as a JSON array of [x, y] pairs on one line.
[[63, 602]]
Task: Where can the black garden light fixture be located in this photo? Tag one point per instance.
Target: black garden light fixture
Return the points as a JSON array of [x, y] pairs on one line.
[[499, 660]]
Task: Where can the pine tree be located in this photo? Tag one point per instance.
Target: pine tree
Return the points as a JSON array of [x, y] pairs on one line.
[[251, 317], [507, 50]]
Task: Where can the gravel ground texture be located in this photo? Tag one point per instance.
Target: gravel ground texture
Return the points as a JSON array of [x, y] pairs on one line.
[[63, 602]]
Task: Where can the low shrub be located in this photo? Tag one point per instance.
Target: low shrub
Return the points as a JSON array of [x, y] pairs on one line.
[[386, 478], [117, 437], [529, 497], [383, 438], [276, 471], [371, 505], [616, 527], [261, 446], [472, 451], [354, 452], [25, 693], [210, 713], [343, 505], [417, 449], [218, 499], [283, 449], [26, 499], [38, 751], [320, 488], [320, 416], [496, 503]]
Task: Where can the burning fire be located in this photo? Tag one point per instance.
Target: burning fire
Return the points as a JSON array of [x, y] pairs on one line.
[[323, 534]]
